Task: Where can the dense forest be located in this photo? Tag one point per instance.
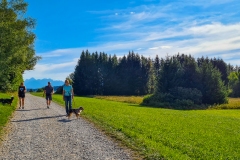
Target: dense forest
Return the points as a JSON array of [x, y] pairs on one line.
[[173, 81]]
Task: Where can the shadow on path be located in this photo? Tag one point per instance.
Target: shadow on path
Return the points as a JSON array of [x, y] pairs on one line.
[[39, 118], [32, 109], [64, 120]]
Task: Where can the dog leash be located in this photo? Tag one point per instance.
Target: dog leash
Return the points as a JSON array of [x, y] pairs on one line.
[[73, 103]]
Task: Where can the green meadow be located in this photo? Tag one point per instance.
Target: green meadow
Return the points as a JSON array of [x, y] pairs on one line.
[[6, 110], [157, 133]]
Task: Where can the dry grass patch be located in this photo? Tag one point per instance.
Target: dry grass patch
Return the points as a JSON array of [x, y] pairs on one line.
[[233, 103], [126, 99]]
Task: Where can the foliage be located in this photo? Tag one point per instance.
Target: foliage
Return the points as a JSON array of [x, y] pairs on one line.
[[184, 83], [213, 88], [234, 84], [100, 74], [179, 81], [234, 103], [40, 90], [16, 44]]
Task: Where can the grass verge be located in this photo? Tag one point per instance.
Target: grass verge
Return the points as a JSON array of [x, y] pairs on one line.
[[6, 111]]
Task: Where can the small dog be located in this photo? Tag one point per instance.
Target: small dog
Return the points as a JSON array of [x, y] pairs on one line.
[[76, 112], [7, 100]]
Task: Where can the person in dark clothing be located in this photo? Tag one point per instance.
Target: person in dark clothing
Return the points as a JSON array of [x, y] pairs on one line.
[[21, 95], [48, 91]]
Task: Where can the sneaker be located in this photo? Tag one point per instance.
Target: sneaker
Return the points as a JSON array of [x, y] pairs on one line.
[[47, 106], [22, 107], [19, 107]]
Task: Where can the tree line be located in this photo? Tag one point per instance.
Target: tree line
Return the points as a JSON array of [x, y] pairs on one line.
[[17, 52], [179, 80], [108, 75]]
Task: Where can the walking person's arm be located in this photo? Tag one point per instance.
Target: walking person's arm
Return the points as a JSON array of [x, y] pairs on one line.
[[44, 91], [63, 92], [72, 92]]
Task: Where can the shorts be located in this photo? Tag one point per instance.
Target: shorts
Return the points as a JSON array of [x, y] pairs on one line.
[[21, 95], [48, 97]]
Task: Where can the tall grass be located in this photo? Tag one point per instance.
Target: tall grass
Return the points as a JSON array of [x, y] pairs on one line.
[[166, 134], [6, 110], [234, 103], [127, 99]]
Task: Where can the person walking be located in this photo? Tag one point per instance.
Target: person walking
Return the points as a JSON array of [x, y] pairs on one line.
[[21, 95], [68, 96], [48, 91]]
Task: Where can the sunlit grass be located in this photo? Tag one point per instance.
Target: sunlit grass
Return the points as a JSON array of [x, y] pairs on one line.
[[163, 133], [127, 99], [6, 110], [234, 103]]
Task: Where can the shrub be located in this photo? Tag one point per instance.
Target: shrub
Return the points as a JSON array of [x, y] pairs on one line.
[[156, 100], [40, 90], [191, 94]]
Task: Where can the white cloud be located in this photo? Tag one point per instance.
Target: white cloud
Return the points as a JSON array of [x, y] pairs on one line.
[[154, 48], [165, 47]]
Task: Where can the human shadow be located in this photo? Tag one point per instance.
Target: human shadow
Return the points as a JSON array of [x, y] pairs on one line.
[[64, 120], [39, 118], [19, 109]]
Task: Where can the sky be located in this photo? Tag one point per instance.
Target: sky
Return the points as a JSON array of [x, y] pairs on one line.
[[209, 28]]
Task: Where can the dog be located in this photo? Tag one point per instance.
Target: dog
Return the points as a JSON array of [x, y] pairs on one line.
[[7, 100], [76, 112]]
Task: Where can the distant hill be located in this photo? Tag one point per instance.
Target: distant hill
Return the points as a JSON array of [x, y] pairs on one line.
[[33, 83]]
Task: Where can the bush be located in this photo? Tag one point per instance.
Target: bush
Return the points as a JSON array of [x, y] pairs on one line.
[[40, 90], [182, 94], [155, 101], [183, 104], [177, 98]]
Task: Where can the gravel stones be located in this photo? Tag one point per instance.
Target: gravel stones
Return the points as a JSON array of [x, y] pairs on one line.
[[40, 133]]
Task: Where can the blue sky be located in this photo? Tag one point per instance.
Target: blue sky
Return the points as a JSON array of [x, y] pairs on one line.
[[148, 27]]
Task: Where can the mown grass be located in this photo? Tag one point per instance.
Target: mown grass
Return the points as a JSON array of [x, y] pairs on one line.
[[6, 110], [163, 133]]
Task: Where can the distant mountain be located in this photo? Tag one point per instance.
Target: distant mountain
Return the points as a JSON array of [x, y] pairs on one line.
[[33, 83]]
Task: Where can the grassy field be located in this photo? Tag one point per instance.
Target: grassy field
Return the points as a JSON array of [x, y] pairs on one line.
[[163, 133], [127, 99], [6, 110]]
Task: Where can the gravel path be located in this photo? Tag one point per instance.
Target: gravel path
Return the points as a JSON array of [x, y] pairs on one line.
[[40, 133]]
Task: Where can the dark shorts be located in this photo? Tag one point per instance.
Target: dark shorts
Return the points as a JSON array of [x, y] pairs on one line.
[[48, 97], [21, 95]]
